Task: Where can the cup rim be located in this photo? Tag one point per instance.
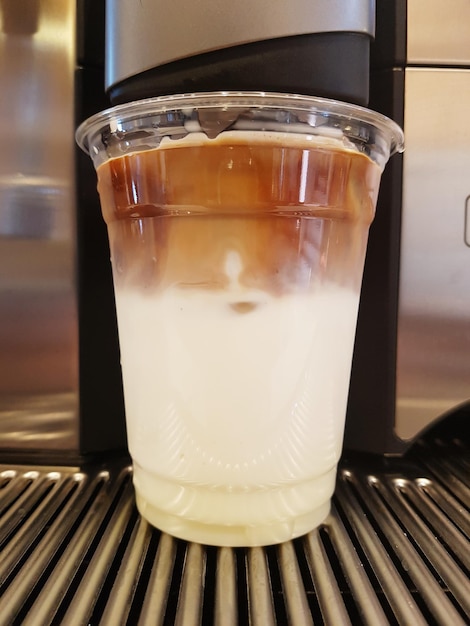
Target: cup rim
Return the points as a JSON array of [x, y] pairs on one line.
[[233, 99]]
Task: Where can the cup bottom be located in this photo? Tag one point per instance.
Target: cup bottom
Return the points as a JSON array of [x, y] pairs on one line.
[[246, 530]]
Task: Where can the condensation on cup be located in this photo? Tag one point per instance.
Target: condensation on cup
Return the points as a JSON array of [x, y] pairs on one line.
[[238, 226]]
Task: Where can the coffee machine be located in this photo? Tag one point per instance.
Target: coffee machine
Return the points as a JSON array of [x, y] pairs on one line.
[[73, 549], [60, 383], [410, 336]]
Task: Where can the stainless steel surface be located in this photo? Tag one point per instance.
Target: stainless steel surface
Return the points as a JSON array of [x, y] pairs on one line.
[[38, 317], [438, 32], [433, 361], [394, 550], [167, 31]]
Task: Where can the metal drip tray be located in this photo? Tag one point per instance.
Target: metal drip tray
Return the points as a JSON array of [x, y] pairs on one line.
[[395, 550]]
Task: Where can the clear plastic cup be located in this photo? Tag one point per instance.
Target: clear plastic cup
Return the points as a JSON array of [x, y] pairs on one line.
[[238, 225]]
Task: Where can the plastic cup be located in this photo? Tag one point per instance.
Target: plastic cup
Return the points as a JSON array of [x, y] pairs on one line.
[[238, 226]]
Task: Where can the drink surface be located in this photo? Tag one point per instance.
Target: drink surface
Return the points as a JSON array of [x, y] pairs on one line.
[[237, 266]]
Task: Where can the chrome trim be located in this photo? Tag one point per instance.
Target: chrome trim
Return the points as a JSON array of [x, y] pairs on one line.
[[142, 35]]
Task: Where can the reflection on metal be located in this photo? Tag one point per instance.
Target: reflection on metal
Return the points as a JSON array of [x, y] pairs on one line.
[[51, 427], [38, 317], [33, 207], [433, 361], [19, 18], [394, 550], [438, 32]]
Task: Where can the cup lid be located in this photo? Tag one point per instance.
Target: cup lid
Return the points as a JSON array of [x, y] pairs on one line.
[[369, 131]]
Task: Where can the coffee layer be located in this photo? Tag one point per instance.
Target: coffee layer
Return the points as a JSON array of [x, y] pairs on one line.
[[289, 209]]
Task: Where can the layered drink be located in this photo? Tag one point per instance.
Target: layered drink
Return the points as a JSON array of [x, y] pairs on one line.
[[237, 266]]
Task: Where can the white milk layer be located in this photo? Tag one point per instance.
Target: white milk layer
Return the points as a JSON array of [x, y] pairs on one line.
[[235, 400]]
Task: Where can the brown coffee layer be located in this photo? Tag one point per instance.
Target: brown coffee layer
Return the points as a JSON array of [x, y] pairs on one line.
[[292, 213]]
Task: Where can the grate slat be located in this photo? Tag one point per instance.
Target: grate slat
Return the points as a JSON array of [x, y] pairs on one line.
[[189, 608], [298, 610], [427, 518], [156, 597], [226, 606], [440, 499], [329, 595], [260, 600], [25, 581], [394, 550], [21, 505], [418, 571], [80, 609], [13, 484], [82, 520], [393, 586], [119, 604], [35, 514], [360, 585]]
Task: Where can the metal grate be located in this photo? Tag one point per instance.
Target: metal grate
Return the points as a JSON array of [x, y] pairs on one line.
[[395, 550]]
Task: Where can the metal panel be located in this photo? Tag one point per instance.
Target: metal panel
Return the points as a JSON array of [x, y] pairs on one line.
[[38, 318], [438, 32], [433, 363]]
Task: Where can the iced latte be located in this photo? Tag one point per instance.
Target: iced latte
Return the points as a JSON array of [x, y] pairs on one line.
[[237, 262]]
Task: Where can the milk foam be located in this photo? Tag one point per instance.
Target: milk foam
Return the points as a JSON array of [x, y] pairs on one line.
[[291, 136]]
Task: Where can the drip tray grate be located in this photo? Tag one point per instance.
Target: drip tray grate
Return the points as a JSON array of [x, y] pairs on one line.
[[394, 550]]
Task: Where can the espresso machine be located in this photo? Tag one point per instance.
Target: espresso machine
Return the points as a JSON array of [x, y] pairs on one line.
[[61, 359], [74, 550]]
